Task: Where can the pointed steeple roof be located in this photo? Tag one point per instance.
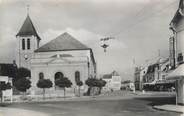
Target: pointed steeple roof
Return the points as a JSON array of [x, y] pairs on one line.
[[178, 13], [63, 42], [27, 28], [181, 4]]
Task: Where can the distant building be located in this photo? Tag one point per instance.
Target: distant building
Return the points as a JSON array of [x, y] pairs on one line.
[[113, 81], [9, 92], [107, 78], [155, 77], [7, 73], [137, 77], [152, 74], [164, 68], [142, 74], [128, 85]]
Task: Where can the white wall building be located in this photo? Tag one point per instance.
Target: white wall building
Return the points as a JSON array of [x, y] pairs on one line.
[[9, 92], [64, 56], [142, 73], [138, 77], [113, 81], [176, 26]]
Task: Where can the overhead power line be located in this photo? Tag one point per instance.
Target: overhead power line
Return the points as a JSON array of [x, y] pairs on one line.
[[146, 18]]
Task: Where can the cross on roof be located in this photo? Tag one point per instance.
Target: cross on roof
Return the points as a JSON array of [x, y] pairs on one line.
[[28, 8]]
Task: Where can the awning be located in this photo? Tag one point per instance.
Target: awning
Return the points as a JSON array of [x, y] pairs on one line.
[[178, 73], [165, 81], [151, 83], [157, 82]]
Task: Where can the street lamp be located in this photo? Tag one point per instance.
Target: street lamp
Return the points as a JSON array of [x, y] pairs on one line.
[[104, 46]]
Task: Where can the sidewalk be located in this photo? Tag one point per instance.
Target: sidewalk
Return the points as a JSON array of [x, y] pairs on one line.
[[104, 96], [173, 108], [19, 112], [49, 98]]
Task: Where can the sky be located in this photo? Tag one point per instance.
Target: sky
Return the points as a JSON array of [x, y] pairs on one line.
[[140, 28]]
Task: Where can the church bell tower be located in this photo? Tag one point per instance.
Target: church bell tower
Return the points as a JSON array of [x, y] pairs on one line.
[[27, 42]]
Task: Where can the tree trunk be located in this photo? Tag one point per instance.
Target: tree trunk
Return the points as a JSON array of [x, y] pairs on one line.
[[24, 94], [79, 91], [1, 93], [100, 89], [74, 92], [43, 93], [90, 88], [93, 91], [64, 92]]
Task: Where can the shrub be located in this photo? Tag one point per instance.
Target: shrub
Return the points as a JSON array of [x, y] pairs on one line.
[[23, 84], [63, 83], [43, 84]]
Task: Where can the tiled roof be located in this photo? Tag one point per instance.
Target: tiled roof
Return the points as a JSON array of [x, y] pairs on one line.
[[107, 76], [62, 43], [27, 28], [178, 15]]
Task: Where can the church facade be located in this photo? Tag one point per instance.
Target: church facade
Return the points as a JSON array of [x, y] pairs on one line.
[[63, 56]]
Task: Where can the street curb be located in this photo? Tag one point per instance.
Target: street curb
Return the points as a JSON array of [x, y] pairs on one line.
[[88, 98], [161, 109], [64, 100], [20, 112]]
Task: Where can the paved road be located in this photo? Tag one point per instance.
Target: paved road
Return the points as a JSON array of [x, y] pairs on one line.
[[140, 106]]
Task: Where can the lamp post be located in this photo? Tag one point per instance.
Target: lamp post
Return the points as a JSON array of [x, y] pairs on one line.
[[104, 45]]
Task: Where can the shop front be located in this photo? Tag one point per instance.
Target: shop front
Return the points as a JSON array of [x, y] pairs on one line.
[[178, 76]]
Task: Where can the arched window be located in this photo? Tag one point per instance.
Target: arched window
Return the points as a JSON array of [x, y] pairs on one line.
[[77, 76], [58, 75], [41, 75], [28, 44], [23, 44]]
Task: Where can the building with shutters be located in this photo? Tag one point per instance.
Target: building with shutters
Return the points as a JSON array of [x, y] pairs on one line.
[[177, 74]]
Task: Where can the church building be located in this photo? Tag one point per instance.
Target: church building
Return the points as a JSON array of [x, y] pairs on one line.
[[63, 56]]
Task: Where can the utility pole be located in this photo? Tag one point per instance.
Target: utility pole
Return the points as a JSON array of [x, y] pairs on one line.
[[135, 75], [159, 64]]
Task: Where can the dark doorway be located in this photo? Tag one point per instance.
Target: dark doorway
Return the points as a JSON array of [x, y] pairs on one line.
[[58, 75]]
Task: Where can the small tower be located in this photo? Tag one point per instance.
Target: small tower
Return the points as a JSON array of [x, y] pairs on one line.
[[27, 42]]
